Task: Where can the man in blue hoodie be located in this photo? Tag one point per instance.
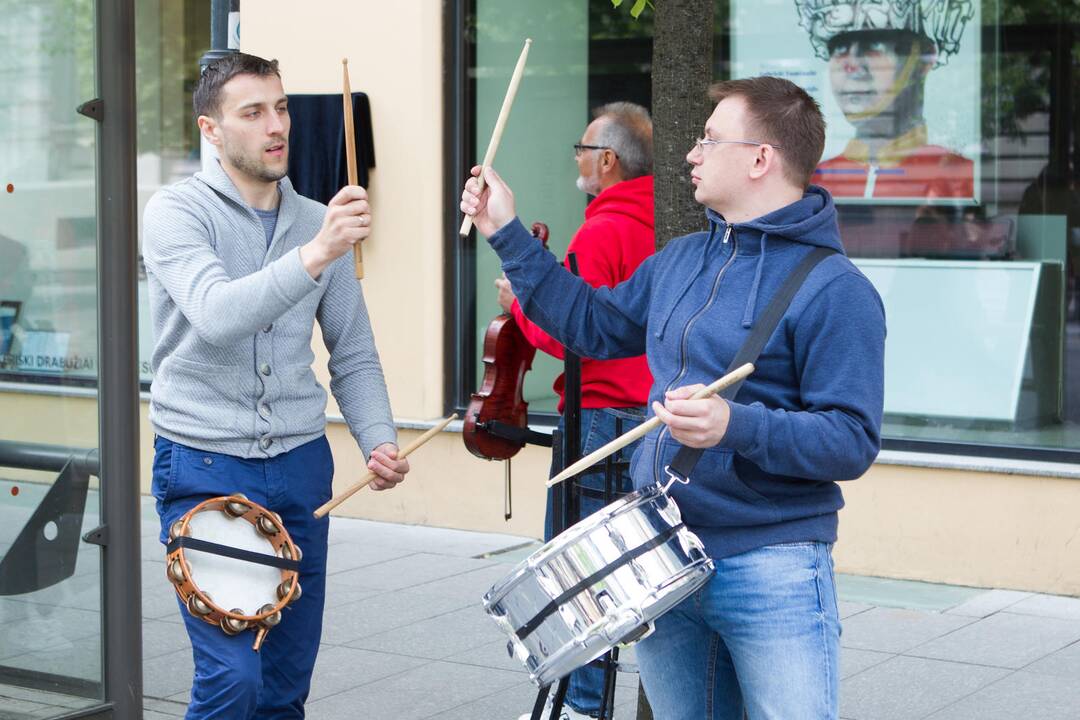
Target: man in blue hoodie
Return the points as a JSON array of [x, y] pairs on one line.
[[762, 637]]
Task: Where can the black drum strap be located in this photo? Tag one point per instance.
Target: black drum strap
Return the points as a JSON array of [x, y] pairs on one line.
[[190, 543], [527, 629]]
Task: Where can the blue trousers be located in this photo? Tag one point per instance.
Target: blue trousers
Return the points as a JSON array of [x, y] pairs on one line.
[[598, 427], [232, 680], [763, 636]]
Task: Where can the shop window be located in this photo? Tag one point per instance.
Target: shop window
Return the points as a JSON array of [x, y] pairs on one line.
[[48, 301], [952, 153]]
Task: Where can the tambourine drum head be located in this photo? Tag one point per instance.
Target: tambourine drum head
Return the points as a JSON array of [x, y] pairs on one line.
[[232, 583], [627, 590]]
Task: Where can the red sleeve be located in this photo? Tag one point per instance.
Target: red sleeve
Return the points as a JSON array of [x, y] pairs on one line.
[[593, 244], [536, 337]]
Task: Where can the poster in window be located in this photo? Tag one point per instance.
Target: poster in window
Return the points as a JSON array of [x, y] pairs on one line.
[[897, 80]]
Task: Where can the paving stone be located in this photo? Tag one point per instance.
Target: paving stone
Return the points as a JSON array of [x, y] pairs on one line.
[[163, 638], [1020, 695], [510, 703], [80, 658], [853, 662], [345, 623], [78, 592], [418, 538], [846, 608], [165, 707], [155, 715], [47, 626], [438, 637], [167, 675], [911, 594], [408, 571], [419, 693], [1063, 663], [351, 555], [467, 588], [989, 602], [338, 669], [904, 688], [492, 655], [894, 630], [1054, 606], [44, 697], [1003, 640]]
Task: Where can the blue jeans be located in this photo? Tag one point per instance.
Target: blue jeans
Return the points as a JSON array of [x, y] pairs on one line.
[[763, 636], [598, 427], [232, 680]]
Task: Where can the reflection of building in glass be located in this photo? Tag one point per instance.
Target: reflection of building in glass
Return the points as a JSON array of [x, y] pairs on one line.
[[880, 53]]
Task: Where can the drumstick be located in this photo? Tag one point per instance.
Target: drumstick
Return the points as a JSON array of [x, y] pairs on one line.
[[350, 157], [500, 124], [643, 429], [346, 494]]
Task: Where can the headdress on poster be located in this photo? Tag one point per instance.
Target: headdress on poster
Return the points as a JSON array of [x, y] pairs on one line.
[[940, 20]]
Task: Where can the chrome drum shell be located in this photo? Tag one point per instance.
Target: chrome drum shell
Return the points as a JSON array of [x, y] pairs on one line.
[[598, 584]]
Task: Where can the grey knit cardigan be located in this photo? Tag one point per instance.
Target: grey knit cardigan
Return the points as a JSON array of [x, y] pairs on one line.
[[233, 323]]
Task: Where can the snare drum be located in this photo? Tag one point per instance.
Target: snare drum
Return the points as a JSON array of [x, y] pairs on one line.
[[233, 565], [599, 584]]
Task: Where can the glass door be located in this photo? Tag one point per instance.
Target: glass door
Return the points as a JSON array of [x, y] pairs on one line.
[[54, 657]]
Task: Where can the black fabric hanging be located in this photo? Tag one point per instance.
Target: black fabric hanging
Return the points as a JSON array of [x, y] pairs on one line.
[[685, 460], [317, 166]]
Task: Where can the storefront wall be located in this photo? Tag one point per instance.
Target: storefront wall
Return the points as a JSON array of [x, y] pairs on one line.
[[1014, 527]]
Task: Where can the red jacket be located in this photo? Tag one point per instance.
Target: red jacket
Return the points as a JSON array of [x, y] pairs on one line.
[[615, 238]]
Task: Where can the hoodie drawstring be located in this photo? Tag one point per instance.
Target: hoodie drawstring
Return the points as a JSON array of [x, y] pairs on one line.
[[751, 301]]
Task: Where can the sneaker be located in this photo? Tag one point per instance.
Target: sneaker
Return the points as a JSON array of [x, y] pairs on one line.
[[568, 713]]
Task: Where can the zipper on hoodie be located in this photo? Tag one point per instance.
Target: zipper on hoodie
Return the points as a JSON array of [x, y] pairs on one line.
[[684, 363]]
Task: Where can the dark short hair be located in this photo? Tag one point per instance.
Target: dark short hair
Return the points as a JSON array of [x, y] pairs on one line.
[[628, 131], [781, 114], [206, 99]]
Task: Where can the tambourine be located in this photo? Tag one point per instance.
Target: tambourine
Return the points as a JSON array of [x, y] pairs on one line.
[[233, 565]]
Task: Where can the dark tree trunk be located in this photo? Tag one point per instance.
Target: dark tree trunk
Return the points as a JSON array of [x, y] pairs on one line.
[[681, 74]]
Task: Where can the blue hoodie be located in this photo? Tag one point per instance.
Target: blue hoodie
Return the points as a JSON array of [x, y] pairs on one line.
[[811, 412]]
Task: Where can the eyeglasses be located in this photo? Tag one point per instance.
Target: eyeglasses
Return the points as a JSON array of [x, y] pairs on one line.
[[702, 142], [579, 148]]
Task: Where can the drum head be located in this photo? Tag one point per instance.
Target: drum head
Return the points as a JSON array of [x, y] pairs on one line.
[[232, 583]]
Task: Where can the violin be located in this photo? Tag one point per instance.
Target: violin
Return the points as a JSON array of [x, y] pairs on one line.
[[496, 421]]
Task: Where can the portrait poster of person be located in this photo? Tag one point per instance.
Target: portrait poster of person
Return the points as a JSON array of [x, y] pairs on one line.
[[898, 81]]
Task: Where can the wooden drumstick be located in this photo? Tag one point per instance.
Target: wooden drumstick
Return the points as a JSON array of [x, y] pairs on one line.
[[643, 429], [500, 124], [350, 157], [352, 489]]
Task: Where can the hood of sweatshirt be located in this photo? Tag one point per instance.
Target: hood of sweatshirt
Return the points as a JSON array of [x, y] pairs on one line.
[[809, 221]]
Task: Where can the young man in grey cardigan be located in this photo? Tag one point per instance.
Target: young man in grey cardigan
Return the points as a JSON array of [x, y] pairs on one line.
[[239, 268]]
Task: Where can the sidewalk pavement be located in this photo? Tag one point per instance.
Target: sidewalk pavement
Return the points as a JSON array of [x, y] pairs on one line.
[[405, 637]]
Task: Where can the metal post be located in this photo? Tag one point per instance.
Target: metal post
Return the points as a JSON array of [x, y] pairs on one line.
[[118, 381]]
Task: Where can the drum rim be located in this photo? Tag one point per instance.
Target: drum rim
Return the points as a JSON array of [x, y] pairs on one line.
[[253, 507], [697, 574], [570, 535]]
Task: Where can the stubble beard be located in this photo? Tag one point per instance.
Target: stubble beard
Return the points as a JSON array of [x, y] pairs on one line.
[[256, 168]]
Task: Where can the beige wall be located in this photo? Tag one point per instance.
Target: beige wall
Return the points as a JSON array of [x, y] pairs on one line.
[[967, 528], [395, 56]]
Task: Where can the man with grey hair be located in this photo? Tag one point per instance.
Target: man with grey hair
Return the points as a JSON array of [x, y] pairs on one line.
[[614, 160]]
